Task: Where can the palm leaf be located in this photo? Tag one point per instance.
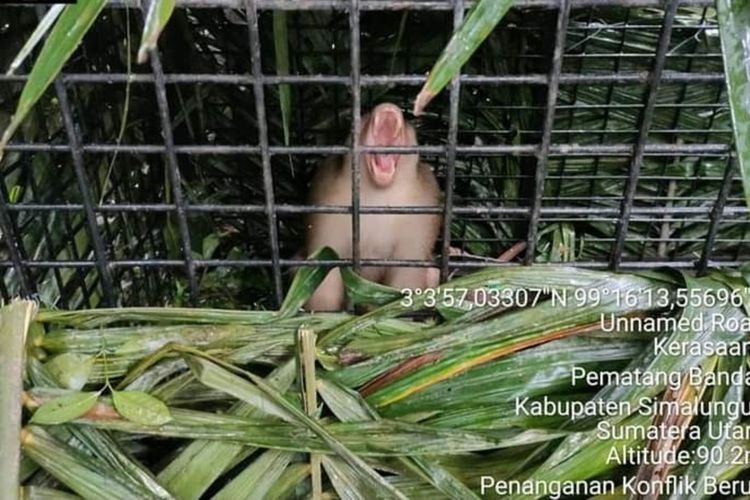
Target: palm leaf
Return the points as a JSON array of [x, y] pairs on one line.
[[66, 35]]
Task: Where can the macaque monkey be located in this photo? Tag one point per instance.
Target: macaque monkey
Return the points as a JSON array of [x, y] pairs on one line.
[[387, 179]]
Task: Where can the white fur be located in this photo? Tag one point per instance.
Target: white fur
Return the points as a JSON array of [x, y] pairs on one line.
[[382, 236]]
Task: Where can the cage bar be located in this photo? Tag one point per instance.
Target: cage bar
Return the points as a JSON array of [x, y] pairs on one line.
[[622, 149], [717, 212], [356, 148], [378, 80], [12, 241], [605, 121], [450, 154], [645, 123], [370, 209], [549, 122], [370, 5], [100, 253], [208, 263], [628, 145], [571, 114], [260, 111], [174, 173], [80, 277]]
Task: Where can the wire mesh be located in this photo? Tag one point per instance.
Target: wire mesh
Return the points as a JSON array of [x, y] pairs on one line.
[[602, 141]]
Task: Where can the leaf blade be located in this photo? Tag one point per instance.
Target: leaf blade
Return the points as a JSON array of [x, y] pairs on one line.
[[70, 369], [475, 28], [141, 407], [734, 29], [65, 408], [157, 17], [305, 281], [63, 40], [41, 29]]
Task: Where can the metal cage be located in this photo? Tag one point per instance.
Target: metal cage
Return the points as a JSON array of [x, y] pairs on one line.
[[90, 227]]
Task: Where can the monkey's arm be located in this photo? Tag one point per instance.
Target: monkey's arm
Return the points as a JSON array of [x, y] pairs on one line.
[[329, 187], [417, 237]]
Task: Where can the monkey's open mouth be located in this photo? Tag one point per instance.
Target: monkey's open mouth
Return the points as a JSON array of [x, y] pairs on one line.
[[385, 163], [384, 127]]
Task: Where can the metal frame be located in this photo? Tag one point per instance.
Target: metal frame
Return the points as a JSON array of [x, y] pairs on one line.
[[553, 86], [368, 5], [450, 153], [643, 130], [260, 108], [546, 150], [174, 172], [356, 148]]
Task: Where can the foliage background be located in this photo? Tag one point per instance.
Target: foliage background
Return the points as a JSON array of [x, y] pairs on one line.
[[215, 41]]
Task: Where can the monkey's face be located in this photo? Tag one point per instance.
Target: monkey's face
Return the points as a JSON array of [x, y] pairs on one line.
[[385, 126]]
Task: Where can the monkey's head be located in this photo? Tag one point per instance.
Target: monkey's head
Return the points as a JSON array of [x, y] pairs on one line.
[[386, 126]]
